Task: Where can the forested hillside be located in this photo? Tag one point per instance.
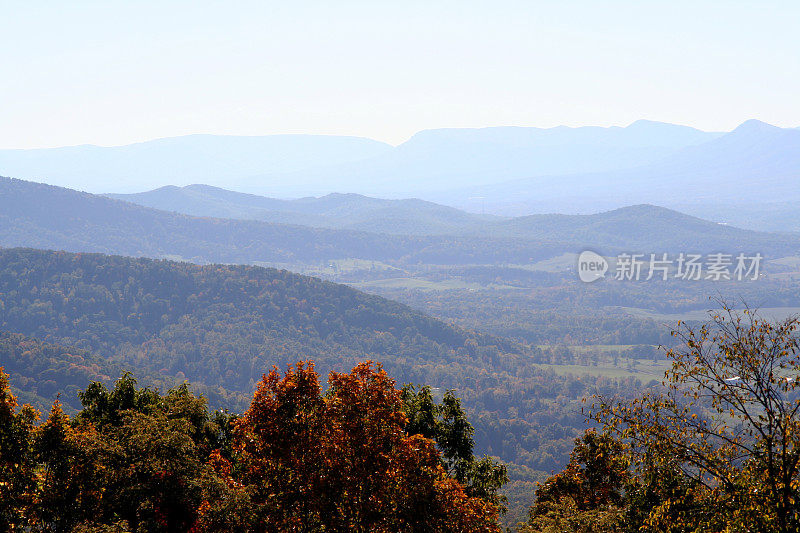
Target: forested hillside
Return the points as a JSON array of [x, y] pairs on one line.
[[221, 327], [219, 324], [39, 371], [342, 211], [361, 456]]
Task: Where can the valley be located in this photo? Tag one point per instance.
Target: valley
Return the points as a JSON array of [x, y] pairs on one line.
[[495, 309], [400, 267]]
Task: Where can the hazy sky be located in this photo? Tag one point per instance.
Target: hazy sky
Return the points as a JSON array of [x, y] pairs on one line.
[[111, 72]]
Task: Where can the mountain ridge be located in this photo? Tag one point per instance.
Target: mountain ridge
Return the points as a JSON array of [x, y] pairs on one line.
[[756, 161], [335, 210], [298, 165], [619, 227], [198, 157], [45, 216]]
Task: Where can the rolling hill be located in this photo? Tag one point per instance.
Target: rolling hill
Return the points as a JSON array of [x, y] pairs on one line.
[[44, 216], [341, 211], [632, 228], [219, 326], [644, 228]]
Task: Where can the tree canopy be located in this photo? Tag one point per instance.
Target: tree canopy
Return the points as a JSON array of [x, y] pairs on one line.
[[137, 459]]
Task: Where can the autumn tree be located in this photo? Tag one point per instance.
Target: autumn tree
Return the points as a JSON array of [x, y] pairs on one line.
[[278, 450], [340, 461], [135, 459], [718, 446], [17, 476]]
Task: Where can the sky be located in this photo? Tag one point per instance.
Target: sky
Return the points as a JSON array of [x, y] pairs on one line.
[[110, 72]]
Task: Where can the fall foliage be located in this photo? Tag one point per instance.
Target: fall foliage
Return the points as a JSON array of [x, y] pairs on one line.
[[299, 459], [341, 461], [715, 448]]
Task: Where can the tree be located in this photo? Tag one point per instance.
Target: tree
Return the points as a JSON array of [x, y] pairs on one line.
[[135, 459], [59, 504], [341, 461], [446, 423], [278, 450], [17, 476], [587, 496], [147, 452], [722, 435]]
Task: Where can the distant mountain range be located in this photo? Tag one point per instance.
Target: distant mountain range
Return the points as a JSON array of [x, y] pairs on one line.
[[443, 159], [747, 177], [44, 216], [184, 160], [756, 164], [298, 165]]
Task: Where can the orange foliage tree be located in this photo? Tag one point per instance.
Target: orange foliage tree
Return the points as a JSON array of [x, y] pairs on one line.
[[17, 477], [339, 461]]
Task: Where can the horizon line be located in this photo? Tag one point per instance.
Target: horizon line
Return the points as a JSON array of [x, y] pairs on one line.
[[352, 136]]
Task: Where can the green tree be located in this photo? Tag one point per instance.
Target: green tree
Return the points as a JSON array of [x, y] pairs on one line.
[[59, 502], [446, 423], [588, 495], [154, 470]]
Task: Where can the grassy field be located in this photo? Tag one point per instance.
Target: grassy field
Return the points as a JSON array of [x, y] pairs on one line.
[[426, 285], [702, 315], [559, 263], [591, 348], [642, 370]]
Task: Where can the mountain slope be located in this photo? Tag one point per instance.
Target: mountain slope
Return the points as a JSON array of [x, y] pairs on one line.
[[39, 370], [766, 215], [341, 211], [436, 160], [641, 227], [219, 326], [44, 216]]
